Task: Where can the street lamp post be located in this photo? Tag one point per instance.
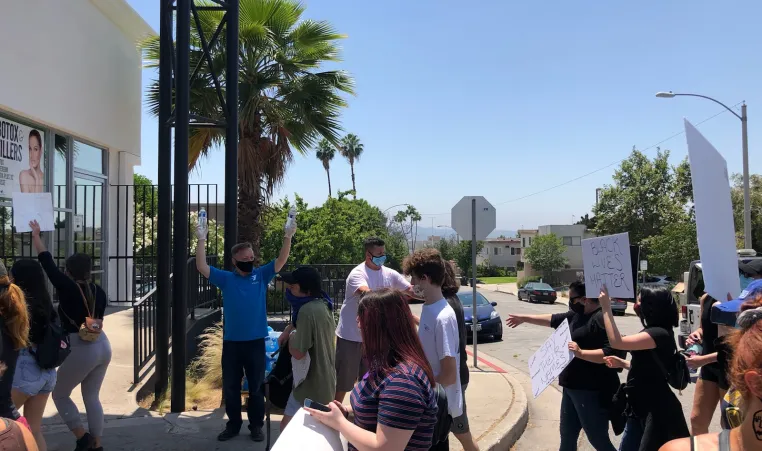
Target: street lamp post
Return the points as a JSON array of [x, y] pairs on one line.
[[745, 147]]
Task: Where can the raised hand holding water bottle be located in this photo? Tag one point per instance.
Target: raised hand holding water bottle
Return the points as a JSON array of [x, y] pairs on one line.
[[202, 229], [290, 227]]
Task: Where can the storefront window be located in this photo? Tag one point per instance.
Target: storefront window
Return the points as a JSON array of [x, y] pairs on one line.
[[88, 158]]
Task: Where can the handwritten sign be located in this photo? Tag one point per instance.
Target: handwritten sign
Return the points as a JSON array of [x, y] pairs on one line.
[[607, 262], [29, 207], [305, 429], [547, 363]]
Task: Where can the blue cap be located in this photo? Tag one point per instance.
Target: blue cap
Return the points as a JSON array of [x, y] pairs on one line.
[[726, 312]]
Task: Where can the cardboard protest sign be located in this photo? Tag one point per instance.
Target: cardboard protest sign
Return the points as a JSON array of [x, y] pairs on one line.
[[607, 261], [547, 363], [714, 216], [29, 207]]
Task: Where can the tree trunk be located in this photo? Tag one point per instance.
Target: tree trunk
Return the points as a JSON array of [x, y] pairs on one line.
[[329, 182], [249, 212], [354, 189]]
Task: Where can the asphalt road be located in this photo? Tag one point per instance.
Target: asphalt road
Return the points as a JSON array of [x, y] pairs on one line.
[[519, 344]]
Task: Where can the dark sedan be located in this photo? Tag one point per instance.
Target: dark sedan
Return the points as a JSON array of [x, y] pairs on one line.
[[488, 322], [537, 292]]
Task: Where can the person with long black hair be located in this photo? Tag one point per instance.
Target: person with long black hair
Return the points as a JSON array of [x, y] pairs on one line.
[[81, 306], [655, 415], [32, 384]]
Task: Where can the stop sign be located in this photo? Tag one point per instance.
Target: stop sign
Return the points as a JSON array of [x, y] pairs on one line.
[[461, 217]]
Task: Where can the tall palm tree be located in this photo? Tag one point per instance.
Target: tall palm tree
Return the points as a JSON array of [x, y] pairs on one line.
[[325, 153], [285, 101], [351, 149]]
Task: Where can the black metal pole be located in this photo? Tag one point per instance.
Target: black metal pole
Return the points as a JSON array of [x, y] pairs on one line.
[[180, 222], [164, 233], [231, 133]]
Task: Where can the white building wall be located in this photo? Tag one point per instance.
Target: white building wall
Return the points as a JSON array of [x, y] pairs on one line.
[[74, 66]]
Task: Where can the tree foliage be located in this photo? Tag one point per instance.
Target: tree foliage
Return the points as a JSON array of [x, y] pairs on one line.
[[330, 233], [646, 196], [546, 253], [460, 252], [407, 221], [736, 195], [671, 252]]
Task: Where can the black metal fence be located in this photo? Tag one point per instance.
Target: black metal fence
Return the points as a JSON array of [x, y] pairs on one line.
[[135, 260], [334, 284], [201, 295]]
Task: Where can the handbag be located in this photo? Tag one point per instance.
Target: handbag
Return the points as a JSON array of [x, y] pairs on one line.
[[90, 330], [678, 376]]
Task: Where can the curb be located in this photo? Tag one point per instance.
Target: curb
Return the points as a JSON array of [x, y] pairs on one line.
[[507, 430]]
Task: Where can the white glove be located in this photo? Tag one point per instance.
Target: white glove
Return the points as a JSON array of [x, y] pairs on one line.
[[290, 231], [201, 231]]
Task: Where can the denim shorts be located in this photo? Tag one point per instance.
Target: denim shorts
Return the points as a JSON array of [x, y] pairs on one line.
[[29, 378], [292, 406]]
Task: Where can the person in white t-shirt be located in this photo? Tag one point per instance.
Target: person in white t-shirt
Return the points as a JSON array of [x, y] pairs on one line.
[[368, 275], [438, 327]]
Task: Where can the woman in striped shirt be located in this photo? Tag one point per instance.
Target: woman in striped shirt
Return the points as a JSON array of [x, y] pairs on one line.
[[395, 403]]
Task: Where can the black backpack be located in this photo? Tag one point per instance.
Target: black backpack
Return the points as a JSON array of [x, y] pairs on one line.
[[677, 374], [281, 379], [55, 346]]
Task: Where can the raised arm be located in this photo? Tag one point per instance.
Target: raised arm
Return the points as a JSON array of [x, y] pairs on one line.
[[285, 249], [638, 342], [57, 278], [201, 264], [538, 320]]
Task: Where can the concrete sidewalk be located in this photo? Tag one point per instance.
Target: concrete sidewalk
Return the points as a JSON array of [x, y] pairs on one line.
[[497, 410]]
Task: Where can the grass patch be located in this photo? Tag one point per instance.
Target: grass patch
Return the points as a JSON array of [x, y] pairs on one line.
[[497, 280]]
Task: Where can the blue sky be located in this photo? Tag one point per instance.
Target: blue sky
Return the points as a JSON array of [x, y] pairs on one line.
[[508, 99]]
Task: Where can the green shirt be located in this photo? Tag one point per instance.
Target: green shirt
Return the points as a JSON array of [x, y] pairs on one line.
[[315, 334]]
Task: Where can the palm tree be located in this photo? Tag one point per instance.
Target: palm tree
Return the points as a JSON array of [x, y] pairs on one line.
[[351, 149], [325, 153], [285, 101]]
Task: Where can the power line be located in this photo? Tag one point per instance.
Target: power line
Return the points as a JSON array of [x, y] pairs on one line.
[[599, 169]]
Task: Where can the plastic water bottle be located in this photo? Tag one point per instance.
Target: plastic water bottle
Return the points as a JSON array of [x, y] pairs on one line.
[[291, 216], [694, 349], [202, 221]]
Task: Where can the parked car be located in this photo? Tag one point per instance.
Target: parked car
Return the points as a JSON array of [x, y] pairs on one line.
[[488, 322], [618, 306], [537, 292], [658, 281]]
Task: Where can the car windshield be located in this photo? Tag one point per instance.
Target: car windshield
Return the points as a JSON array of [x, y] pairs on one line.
[[467, 299], [542, 286]]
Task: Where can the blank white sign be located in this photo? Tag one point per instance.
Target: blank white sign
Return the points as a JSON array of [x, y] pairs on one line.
[[304, 432], [714, 216], [29, 207]]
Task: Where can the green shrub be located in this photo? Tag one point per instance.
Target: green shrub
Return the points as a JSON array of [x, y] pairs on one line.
[[525, 280]]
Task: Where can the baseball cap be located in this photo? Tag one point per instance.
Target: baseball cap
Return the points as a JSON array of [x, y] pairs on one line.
[[726, 312], [306, 277], [752, 267]]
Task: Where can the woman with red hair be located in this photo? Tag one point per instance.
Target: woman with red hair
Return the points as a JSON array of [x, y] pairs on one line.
[[395, 403], [746, 376]]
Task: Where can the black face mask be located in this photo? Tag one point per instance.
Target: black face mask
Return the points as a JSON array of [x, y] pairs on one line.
[[576, 307], [245, 267]]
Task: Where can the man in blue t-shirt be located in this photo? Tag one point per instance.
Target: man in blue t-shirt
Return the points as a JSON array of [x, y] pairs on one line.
[[244, 293]]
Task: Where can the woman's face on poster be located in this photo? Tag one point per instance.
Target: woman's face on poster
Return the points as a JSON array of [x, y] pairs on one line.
[[35, 152]]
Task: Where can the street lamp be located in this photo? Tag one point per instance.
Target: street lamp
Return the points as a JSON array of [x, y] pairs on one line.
[[745, 146]]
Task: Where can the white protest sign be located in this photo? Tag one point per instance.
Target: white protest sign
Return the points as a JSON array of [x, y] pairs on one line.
[[714, 216], [303, 429], [29, 207], [607, 262], [547, 363], [22, 152]]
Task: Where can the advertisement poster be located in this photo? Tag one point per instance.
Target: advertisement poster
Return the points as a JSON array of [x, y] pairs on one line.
[[21, 159]]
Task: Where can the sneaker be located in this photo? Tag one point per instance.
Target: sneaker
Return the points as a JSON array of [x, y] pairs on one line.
[[257, 435], [83, 444], [227, 434]]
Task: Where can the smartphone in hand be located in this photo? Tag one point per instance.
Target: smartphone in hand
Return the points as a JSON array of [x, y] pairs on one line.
[[310, 404]]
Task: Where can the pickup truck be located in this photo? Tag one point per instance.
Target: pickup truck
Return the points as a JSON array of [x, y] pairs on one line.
[[693, 288]]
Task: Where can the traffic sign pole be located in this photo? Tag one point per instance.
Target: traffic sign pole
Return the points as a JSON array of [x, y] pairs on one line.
[[474, 320]]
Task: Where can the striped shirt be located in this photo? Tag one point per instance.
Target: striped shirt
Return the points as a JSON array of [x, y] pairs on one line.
[[403, 399]]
